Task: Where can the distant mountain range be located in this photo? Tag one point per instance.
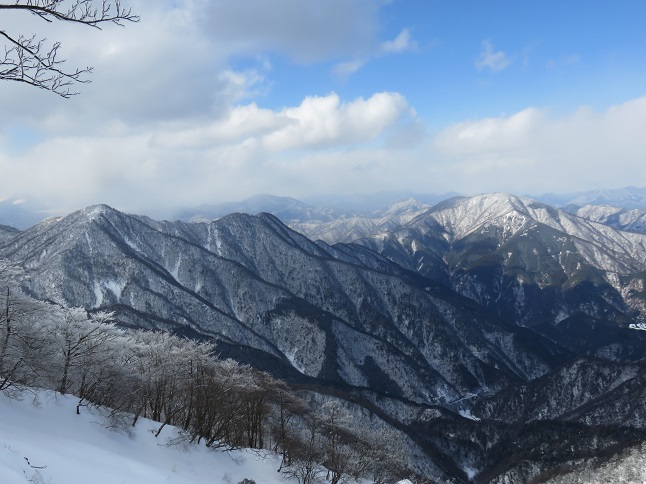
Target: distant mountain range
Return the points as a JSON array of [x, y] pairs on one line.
[[22, 215], [483, 328], [629, 197], [632, 220]]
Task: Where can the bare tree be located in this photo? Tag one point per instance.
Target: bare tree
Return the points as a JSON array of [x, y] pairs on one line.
[[32, 60]]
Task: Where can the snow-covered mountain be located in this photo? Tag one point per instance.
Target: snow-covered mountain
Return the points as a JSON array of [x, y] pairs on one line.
[[350, 228], [632, 220], [528, 261], [317, 222], [427, 324], [348, 317], [628, 197], [7, 232]]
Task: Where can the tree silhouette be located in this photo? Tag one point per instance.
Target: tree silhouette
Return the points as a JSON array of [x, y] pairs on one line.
[[34, 61]]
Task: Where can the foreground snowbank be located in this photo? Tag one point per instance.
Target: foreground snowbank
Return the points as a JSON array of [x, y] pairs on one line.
[[42, 440]]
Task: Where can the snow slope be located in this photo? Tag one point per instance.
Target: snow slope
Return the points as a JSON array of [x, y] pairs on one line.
[[42, 440]]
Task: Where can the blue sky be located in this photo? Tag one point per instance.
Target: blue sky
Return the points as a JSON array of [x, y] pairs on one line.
[[211, 101]]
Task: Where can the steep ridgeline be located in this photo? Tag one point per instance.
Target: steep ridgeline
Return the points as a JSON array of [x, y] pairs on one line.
[[346, 321], [7, 233], [252, 283], [580, 282], [632, 220], [324, 223]]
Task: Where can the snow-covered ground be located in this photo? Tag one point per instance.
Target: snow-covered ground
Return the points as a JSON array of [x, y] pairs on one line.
[[42, 440]]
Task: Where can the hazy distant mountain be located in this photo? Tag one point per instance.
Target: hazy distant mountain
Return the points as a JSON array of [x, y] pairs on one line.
[[629, 197], [369, 203], [20, 215], [350, 228], [633, 220], [285, 208], [317, 209]]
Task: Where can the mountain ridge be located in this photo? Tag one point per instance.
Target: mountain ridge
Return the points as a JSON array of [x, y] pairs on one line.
[[430, 351]]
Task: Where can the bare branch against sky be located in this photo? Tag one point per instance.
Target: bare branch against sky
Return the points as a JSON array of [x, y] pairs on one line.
[[32, 60]]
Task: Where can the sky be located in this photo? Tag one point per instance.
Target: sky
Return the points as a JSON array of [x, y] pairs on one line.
[[207, 101]]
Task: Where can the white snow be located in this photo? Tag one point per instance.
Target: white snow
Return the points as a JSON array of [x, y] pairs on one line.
[[115, 287], [467, 414], [48, 443], [470, 472], [175, 270], [98, 294]]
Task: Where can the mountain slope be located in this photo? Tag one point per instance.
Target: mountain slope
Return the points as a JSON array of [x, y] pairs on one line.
[[42, 439], [250, 281], [348, 322], [529, 262], [632, 220]]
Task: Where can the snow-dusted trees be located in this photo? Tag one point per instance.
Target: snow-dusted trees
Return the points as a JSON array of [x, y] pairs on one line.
[[217, 407], [165, 376], [334, 443], [81, 343], [179, 382], [24, 338]]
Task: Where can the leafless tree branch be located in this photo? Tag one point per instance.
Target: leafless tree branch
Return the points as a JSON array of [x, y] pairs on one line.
[[30, 60]]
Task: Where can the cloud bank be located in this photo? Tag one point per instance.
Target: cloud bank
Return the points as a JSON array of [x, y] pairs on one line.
[[169, 121]]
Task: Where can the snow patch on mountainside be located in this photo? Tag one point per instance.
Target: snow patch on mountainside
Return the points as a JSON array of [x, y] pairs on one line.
[[115, 287]]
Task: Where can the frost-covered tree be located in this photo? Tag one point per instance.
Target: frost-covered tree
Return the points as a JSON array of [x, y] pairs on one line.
[[30, 59], [307, 452], [24, 332], [80, 342], [165, 368]]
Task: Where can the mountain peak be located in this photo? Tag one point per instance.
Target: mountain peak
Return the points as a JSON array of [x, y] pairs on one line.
[[94, 211]]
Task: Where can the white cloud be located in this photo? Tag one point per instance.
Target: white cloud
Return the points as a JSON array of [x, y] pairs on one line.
[[489, 59], [168, 120], [247, 151], [325, 121], [401, 43], [346, 69], [306, 31], [325, 145], [532, 152], [318, 122]]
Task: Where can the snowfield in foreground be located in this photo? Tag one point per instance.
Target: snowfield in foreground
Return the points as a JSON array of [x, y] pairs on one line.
[[42, 440]]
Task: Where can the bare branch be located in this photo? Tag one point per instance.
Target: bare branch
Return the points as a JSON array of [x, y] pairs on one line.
[[28, 60], [81, 11]]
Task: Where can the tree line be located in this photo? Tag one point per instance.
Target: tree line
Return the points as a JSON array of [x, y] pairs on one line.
[[181, 382]]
